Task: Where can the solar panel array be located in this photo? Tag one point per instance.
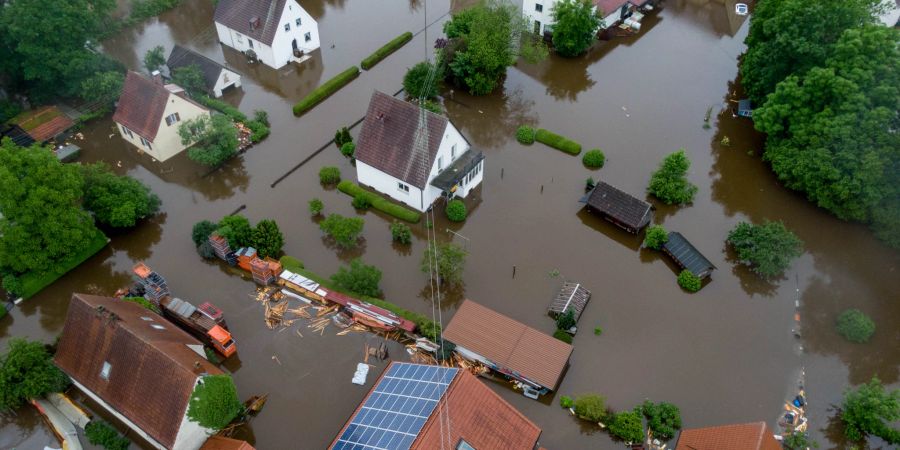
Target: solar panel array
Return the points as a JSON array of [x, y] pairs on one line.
[[397, 409]]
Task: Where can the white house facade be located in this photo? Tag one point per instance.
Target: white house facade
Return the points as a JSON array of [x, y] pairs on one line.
[[540, 13], [216, 77], [388, 160], [149, 113], [277, 32]]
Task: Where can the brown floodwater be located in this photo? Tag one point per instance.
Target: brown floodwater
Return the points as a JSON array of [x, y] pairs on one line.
[[725, 354]]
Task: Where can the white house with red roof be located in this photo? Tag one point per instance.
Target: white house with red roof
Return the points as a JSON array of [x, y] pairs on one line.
[[540, 12], [276, 32], [149, 113]]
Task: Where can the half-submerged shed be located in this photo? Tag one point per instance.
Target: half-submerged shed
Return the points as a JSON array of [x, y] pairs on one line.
[[572, 296], [624, 210], [687, 256]]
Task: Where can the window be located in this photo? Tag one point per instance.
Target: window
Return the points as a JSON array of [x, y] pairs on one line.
[[453, 152], [538, 7], [298, 22], [146, 143], [403, 187], [172, 118], [287, 27], [158, 327], [440, 163], [239, 38], [127, 131], [250, 42], [104, 372], [537, 27], [308, 37], [146, 318]]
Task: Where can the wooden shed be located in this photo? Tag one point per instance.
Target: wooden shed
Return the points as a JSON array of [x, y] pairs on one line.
[[572, 296], [687, 256], [622, 209]]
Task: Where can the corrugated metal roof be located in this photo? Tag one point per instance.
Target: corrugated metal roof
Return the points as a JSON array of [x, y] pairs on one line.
[[619, 205], [688, 257]]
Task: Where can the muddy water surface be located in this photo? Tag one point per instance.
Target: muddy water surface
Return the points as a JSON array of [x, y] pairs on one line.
[[725, 354]]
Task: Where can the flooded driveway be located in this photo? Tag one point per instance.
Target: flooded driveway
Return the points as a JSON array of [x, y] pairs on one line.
[[725, 354]]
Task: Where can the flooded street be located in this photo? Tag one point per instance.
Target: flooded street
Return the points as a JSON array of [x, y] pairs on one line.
[[725, 354]]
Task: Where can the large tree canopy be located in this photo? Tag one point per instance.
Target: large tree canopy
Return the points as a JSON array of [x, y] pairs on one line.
[[214, 139], [576, 26], [116, 201]]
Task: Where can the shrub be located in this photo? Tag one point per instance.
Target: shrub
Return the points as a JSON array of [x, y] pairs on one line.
[[322, 92], [329, 175], [401, 233], [361, 202], [201, 231], [359, 277], [566, 402], [342, 136], [213, 140], [386, 50], [598, 331], [267, 238], [451, 260], [261, 116], [627, 426], [214, 402], [316, 206], [344, 230], [594, 158], [380, 203], [590, 183], [591, 407], [655, 237], [558, 142], [258, 131], [414, 82], [206, 250], [12, 284], [798, 441], [290, 263], [27, 371], [664, 419], [525, 135], [102, 434], [689, 281], [767, 248], [855, 326], [223, 108], [563, 336], [236, 230], [348, 149], [669, 182], [456, 210], [566, 320], [143, 302], [3, 310]]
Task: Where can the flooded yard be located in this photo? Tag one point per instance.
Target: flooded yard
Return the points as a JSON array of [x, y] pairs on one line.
[[725, 354]]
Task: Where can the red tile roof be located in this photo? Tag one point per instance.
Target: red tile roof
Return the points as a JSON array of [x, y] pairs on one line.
[[387, 139], [480, 417], [44, 123], [511, 345], [747, 436], [224, 443], [152, 371], [237, 14], [141, 105], [608, 6]]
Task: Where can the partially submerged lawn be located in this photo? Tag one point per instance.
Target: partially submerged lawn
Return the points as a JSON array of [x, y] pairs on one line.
[[32, 282]]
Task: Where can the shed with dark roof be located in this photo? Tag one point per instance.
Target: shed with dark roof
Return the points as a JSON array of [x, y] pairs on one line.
[[572, 296], [747, 436], [687, 256], [216, 77], [624, 210]]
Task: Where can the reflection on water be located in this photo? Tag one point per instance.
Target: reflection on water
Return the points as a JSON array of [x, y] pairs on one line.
[[292, 82], [505, 110]]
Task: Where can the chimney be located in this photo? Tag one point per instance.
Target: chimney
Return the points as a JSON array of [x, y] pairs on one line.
[[254, 23], [157, 77]]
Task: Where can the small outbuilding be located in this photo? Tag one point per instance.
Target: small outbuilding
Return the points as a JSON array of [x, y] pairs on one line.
[[687, 256], [216, 77], [745, 108], [572, 296], [624, 210]]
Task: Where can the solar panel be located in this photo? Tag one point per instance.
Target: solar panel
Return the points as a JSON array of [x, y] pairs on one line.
[[397, 408]]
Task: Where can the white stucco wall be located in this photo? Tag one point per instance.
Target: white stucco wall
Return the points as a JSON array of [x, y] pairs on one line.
[[241, 43], [280, 53], [226, 78], [388, 185], [167, 143], [545, 17], [191, 435]]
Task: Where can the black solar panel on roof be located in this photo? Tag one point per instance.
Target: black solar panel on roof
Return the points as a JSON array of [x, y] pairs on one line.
[[397, 409]]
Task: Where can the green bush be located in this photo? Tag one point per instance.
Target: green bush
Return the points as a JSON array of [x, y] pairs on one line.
[[290, 263], [348, 149], [102, 434], [342, 136], [267, 238], [206, 250], [591, 407], [358, 277], [598, 331], [361, 202], [258, 131], [566, 320], [401, 233], [594, 159], [689, 281], [456, 210], [344, 230], [767, 248], [855, 326], [669, 182], [590, 183], [380, 203], [12, 284], [316, 206], [663, 419], [627, 426], [655, 237], [214, 402], [329, 175], [558, 142], [525, 135], [566, 402], [236, 230], [222, 107], [419, 83], [261, 116], [322, 92], [27, 371], [386, 50], [563, 336], [201, 231], [143, 302]]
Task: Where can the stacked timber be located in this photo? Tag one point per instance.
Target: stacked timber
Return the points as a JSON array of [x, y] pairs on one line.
[[155, 286], [220, 246]]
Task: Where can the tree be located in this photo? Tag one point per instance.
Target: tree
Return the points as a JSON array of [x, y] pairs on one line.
[[689, 281], [359, 278], [655, 237], [236, 230], [664, 419], [669, 183], [342, 136], [348, 149], [449, 260], [344, 230], [267, 238], [790, 37], [105, 87], [767, 248], [456, 210], [117, 201], [855, 326], [27, 371], [484, 40], [401, 233], [576, 26], [417, 82], [798, 441], [201, 231], [627, 426], [566, 320], [214, 402], [591, 407], [43, 222], [214, 139], [190, 78], [155, 58], [869, 410]]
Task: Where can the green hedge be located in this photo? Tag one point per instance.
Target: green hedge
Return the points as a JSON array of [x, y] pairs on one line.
[[558, 142], [32, 282], [380, 203], [388, 48], [222, 107], [322, 92], [290, 263]]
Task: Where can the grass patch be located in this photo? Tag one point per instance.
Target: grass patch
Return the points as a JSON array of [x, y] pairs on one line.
[[32, 283], [386, 50], [558, 142], [380, 203], [322, 92]]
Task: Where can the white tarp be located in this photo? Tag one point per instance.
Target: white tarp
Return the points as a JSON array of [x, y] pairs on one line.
[[359, 377]]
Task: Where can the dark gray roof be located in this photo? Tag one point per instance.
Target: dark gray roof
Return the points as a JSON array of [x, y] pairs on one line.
[[686, 256], [182, 57], [237, 15], [454, 173], [618, 205]]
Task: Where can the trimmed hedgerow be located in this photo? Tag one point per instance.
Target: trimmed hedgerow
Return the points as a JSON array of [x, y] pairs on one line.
[[456, 210], [594, 159], [386, 50], [326, 89], [556, 141], [689, 281], [378, 202], [525, 135]]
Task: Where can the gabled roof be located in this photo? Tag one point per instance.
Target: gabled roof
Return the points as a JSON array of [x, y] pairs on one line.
[[687, 256], [141, 105], [182, 57], [607, 7], [387, 140], [747, 436], [509, 344], [152, 372], [44, 123], [237, 15], [619, 205], [224, 443]]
